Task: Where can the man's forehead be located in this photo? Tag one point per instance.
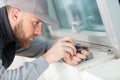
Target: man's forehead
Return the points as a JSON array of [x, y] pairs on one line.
[[32, 15], [36, 18]]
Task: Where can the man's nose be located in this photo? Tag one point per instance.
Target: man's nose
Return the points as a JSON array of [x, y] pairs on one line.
[[38, 31]]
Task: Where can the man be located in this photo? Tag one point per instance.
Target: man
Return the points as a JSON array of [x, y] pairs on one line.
[[20, 22]]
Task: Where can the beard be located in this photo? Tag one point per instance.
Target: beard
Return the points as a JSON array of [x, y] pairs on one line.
[[19, 34]]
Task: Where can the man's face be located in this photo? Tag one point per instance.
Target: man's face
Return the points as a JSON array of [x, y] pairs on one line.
[[28, 27]]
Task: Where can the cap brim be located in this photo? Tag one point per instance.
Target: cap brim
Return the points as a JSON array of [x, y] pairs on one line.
[[47, 19]]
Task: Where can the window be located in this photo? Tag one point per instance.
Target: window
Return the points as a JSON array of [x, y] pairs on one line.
[[92, 21], [2, 2], [79, 15]]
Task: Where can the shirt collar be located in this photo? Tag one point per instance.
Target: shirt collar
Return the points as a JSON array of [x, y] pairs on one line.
[[5, 25]]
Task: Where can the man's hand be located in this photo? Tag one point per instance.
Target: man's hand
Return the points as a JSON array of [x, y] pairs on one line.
[[62, 48], [76, 59]]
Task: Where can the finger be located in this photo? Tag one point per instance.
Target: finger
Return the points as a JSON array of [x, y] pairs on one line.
[[69, 51], [84, 52], [77, 59], [67, 60], [70, 45], [74, 63], [79, 55], [71, 62], [66, 39], [67, 55]]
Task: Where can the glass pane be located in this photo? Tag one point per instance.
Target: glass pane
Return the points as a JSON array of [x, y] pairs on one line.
[[79, 15]]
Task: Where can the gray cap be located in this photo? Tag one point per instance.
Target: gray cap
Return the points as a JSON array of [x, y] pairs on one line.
[[37, 7]]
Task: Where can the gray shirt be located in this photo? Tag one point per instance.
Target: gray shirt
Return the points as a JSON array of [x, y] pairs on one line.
[[30, 70]]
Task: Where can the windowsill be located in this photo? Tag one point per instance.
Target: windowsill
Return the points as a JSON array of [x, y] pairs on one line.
[[84, 36]]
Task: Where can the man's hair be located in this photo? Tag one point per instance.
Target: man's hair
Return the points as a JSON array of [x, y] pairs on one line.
[[9, 8]]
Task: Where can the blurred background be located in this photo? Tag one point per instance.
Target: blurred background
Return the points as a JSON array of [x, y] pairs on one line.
[[94, 23]]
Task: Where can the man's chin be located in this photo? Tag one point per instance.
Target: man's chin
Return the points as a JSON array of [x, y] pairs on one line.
[[26, 44]]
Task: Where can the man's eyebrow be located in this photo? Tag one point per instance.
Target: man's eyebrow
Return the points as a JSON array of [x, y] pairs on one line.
[[39, 20]]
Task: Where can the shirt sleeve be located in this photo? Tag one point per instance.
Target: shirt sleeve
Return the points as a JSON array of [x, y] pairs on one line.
[[38, 48], [29, 71]]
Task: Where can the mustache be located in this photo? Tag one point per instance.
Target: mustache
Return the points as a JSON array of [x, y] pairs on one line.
[[31, 36]]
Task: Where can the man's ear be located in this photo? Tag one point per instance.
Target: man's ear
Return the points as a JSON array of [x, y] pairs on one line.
[[15, 14]]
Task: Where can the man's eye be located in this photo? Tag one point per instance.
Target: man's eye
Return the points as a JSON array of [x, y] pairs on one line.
[[35, 23]]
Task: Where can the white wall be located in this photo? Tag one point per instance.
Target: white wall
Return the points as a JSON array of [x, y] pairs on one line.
[[2, 3]]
